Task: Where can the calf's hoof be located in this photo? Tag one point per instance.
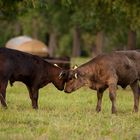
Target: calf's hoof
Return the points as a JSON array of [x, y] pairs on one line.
[[98, 109], [114, 111], [4, 107], [35, 107], [135, 110]]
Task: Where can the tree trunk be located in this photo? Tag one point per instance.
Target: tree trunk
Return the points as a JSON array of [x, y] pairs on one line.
[[53, 44], [18, 29], [99, 43], [76, 50], [34, 28], [131, 44]]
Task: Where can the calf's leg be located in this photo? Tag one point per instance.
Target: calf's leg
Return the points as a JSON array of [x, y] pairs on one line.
[[33, 92], [112, 96], [135, 88], [3, 86], [99, 100]]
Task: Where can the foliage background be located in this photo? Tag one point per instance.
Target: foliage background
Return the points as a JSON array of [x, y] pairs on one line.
[[73, 24]]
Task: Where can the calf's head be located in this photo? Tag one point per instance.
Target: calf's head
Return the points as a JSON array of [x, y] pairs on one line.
[[59, 78], [75, 80]]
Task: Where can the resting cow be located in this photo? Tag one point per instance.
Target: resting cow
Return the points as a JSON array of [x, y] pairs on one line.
[[105, 71], [32, 70]]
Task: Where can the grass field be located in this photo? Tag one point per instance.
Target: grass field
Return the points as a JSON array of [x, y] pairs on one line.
[[67, 117]]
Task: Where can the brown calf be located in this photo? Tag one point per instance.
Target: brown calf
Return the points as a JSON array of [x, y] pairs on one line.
[[106, 71], [32, 70]]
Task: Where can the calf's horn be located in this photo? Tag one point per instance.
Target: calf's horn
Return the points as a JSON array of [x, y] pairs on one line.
[[75, 75], [56, 65], [75, 67], [61, 74]]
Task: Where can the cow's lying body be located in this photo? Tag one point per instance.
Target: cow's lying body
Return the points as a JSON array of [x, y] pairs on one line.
[[106, 71], [32, 70]]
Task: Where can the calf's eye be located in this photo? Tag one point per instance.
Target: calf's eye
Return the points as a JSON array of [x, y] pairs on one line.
[[70, 78]]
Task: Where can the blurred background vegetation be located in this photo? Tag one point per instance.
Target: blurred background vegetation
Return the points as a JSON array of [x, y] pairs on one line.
[[73, 27]]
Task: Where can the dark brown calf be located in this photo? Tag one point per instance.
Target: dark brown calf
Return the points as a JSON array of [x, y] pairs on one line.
[[32, 70], [105, 71]]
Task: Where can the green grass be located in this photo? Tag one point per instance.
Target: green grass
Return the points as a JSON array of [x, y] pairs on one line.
[[67, 117]]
